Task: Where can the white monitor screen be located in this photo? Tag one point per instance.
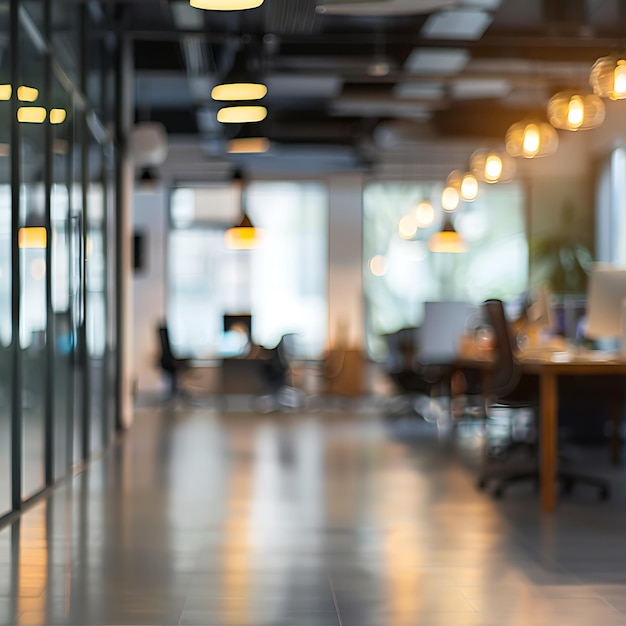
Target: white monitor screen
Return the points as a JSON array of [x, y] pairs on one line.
[[605, 295]]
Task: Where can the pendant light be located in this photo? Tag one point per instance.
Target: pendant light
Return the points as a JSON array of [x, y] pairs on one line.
[[469, 187], [492, 166], [447, 239], [225, 5], [608, 77], [241, 114], [243, 235], [249, 140], [571, 110], [239, 84], [531, 139]]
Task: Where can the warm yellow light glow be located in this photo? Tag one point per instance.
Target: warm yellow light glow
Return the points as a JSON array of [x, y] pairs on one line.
[[450, 199], [31, 115], [38, 269], [425, 214], [493, 167], [239, 91], [530, 141], [241, 115], [447, 241], [225, 5], [27, 94], [242, 237], [378, 265], [57, 116], [469, 187], [619, 80], [531, 138], [88, 246], [248, 145], [575, 112], [407, 227], [32, 237], [5, 92]]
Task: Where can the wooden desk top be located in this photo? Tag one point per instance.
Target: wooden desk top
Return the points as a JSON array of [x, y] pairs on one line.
[[537, 362], [565, 364]]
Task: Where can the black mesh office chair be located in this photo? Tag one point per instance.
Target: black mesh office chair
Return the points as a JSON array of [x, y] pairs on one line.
[[170, 364], [507, 386]]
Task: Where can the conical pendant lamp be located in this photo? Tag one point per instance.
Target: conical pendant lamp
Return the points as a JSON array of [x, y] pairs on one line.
[[243, 235], [447, 239]]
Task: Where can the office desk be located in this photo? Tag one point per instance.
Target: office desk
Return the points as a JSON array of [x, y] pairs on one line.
[[549, 373]]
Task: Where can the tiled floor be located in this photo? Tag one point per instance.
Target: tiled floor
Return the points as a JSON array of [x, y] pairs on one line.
[[305, 520]]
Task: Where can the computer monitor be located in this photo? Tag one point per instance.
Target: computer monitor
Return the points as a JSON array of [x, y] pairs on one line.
[[605, 296], [241, 322], [440, 333]]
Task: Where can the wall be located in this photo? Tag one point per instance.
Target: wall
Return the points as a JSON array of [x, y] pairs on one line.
[[150, 218]]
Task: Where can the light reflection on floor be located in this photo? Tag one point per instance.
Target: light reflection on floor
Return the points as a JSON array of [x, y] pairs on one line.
[[292, 519]]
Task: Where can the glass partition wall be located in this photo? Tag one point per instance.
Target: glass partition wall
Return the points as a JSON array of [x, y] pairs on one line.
[[56, 207], [6, 271]]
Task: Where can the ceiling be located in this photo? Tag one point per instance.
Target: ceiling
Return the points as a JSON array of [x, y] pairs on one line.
[[459, 72]]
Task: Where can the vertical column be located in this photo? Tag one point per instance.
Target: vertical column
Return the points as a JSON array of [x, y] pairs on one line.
[[50, 326], [123, 225], [16, 410], [346, 317]]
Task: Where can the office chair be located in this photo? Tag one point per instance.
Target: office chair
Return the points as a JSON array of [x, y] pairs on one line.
[[410, 377], [170, 364], [508, 387]]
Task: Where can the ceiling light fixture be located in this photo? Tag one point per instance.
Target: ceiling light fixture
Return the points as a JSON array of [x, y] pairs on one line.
[[238, 84], [492, 166], [570, 110], [249, 140], [407, 227], [447, 240], [242, 236], [450, 199], [31, 115], [32, 237], [531, 139], [425, 214], [469, 187], [608, 77], [225, 5], [27, 94], [241, 114], [57, 116]]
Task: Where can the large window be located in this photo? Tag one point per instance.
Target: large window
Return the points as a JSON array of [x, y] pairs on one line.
[[401, 274], [611, 203], [281, 283]]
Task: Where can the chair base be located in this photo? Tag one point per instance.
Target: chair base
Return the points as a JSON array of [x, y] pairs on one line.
[[567, 480]]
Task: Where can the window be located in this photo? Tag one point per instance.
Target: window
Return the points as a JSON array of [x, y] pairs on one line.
[[282, 283], [401, 274]]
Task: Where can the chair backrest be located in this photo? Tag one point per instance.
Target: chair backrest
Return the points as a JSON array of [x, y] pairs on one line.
[[506, 372], [167, 358]]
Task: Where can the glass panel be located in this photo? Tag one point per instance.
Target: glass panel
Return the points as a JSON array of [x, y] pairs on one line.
[[95, 277], [76, 283], [401, 274], [110, 299], [33, 270], [66, 35], [62, 296], [95, 59], [6, 318]]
